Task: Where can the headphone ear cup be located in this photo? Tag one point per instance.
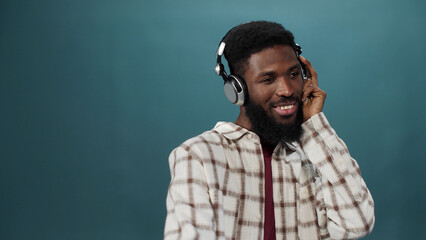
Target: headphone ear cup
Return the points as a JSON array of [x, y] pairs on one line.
[[235, 90]]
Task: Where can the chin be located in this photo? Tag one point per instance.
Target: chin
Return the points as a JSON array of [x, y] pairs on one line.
[[274, 127], [286, 120]]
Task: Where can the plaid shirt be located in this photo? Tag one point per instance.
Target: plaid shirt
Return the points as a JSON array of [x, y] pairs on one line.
[[217, 187]]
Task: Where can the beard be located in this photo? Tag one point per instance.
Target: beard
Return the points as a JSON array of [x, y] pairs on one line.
[[269, 129]]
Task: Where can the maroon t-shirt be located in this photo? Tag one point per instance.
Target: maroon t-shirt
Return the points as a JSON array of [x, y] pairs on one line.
[[269, 224]]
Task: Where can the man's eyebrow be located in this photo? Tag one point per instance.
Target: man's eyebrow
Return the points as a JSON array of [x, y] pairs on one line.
[[271, 73], [268, 73]]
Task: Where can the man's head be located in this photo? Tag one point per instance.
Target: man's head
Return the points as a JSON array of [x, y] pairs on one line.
[[248, 38], [263, 54]]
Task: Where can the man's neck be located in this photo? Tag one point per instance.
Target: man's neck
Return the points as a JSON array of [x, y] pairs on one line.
[[243, 120]]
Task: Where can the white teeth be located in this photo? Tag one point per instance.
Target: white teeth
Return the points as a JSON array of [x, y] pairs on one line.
[[285, 107]]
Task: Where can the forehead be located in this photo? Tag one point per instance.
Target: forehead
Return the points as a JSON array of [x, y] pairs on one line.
[[276, 58]]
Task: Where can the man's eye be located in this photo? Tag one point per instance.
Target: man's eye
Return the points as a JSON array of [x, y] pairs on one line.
[[267, 80], [294, 74]]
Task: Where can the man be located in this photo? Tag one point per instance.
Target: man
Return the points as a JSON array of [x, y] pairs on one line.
[[279, 171]]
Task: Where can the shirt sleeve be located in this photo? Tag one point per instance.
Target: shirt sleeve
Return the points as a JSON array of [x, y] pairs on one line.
[[189, 212], [349, 206]]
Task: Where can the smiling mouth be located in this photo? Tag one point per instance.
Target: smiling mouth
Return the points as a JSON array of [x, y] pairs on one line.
[[285, 110], [286, 107]]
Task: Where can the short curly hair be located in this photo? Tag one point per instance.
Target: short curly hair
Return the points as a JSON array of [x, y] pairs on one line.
[[246, 39]]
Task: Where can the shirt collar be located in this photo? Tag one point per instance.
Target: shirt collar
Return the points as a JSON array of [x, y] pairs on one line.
[[231, 130]]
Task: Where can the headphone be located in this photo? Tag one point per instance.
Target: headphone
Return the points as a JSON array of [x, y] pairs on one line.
[[235, 87]]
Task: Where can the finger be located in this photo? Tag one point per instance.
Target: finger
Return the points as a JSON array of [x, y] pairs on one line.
[[318, 93], [306, 83], [310, 69], [307, 91]]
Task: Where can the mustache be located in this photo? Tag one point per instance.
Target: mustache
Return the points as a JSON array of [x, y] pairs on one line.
[[286, 100]]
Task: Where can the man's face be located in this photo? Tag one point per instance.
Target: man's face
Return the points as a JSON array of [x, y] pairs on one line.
[[275, 87]]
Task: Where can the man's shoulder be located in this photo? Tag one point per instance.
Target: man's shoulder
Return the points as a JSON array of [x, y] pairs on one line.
[[207, 137], [216, 137], [217, 134]]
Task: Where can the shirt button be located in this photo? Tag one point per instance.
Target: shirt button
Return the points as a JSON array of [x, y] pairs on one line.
[[258, 216], [249, 136]]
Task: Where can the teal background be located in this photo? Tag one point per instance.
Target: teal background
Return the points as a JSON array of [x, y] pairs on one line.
[[95, 94]]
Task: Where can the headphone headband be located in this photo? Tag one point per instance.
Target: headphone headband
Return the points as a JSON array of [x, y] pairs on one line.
[[297, 49], [220, 69]]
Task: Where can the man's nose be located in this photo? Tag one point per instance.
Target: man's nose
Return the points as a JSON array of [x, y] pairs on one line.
[[284, 88]]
